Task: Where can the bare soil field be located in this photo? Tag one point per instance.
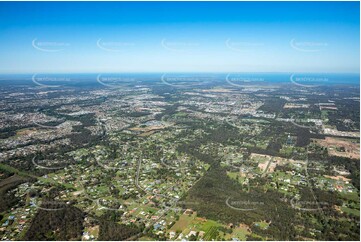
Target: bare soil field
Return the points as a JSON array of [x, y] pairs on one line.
[[340, 147]]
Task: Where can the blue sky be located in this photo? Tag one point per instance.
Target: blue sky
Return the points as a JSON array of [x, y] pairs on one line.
[[57, 37]]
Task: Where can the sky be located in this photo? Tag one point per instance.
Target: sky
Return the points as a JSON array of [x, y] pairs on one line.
[[100, 37]]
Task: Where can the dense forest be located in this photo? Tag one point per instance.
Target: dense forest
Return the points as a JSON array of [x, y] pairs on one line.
[[61, 222], [110, 229]]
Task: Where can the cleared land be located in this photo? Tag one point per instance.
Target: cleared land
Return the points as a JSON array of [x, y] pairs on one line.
[[340, 147]]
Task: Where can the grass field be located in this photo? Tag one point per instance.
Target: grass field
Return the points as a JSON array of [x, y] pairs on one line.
[[262, 224], [239, 233], [183, 222], [211, 233], [351, 211], [350, 196]]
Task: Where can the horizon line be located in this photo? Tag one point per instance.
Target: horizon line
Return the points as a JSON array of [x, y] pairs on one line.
[[182, 72]]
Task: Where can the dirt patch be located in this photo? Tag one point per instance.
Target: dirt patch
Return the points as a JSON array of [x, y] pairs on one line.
[[22, 132], [273, 161], [151, 128], [244, 226], [338, 178], [340, 147], [183, 222], [94, 231]]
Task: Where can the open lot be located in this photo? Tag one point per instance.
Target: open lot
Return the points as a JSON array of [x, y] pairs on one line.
[[340, 147]]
